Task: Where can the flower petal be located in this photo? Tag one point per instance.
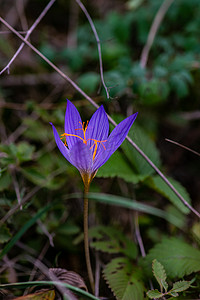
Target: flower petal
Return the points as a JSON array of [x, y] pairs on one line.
[[63, 149], [98, 127], [72, 122], [115, 139], [81, 157]]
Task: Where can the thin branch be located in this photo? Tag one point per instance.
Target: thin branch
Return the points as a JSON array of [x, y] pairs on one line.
[[8, 32], [30, 195], [17, 190], [97, 274], [45, 231], [98, 44], [21, 11], [37, 21], [37, 263], [138, 235], [40, 258], [110, 119], [153, 31], [140, 241], [182, 146]]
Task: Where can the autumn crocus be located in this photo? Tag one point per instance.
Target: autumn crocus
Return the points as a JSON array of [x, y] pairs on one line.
[[87, 146]]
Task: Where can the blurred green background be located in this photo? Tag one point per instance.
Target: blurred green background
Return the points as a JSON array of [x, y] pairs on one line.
[[165, 93]]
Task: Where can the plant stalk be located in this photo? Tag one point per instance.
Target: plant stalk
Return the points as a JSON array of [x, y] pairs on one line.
[[86, 238]]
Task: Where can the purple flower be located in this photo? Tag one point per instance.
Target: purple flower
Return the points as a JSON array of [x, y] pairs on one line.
[[87, 146]]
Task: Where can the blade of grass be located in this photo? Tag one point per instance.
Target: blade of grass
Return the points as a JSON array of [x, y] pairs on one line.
[[130, 204], [21, 285]]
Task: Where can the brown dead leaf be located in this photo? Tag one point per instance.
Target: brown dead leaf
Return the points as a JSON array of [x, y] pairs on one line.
[[69, 277]]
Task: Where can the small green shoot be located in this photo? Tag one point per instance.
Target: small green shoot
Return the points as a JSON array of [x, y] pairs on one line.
[[160, 275]]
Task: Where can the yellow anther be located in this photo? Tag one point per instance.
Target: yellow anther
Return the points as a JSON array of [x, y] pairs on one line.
[[70, 134], [95, 144], [84, 128], [65, 139]]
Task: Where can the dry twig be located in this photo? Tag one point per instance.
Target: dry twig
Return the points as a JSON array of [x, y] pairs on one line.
[[98, 44], [182, 146], [153, 30], [110, 119], [37, 21]]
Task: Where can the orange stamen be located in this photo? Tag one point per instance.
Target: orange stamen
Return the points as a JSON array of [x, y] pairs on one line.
[[95, 144], [65, 139], [84, 128]]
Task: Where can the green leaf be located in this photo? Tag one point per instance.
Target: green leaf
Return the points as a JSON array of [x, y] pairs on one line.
[[151, 92], [5, 234], [21, 152], [112, 240], [118, 166], [24, 151], [135, 205], [5, 181], [160, 274], [156, 183], [124, 279], [177, 257], [89, 82], [173, 294], [154, 294], [146, 144], [180, 286]]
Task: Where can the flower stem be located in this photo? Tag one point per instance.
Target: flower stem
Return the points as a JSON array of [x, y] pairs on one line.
[[86, 239]]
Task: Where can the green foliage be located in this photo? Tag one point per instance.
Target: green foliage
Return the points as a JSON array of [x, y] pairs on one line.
[[145, 143], [17, 153], [166, 95], [154, 294], [24, 228], [118, 166], [180, 286], [123, 278], [5, 234], [89, 82], [5, 181], [160, 186], [112, 240], [135, 205], [160, 275], [177, 257], [22, 285]]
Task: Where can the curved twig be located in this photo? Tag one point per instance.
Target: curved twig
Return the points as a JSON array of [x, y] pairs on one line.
[[153, 30], [110, 119], [98, 44], [183, 146], [37, 21]]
